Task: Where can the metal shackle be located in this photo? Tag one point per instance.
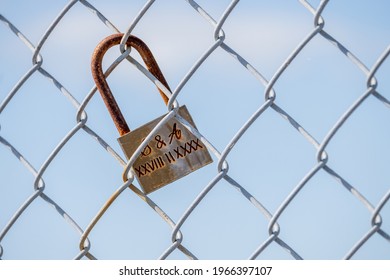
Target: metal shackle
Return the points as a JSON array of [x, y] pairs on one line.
[[102, 85]]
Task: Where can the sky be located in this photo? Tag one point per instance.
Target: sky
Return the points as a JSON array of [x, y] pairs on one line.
[[324, 221]]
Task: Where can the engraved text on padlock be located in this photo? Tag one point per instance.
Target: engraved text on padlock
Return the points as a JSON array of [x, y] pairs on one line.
[[171, 154]]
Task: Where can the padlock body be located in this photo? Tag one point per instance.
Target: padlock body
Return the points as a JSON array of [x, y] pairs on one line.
[[172, 153]]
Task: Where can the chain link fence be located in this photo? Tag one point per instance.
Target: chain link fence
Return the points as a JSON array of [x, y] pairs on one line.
[[291, 98]]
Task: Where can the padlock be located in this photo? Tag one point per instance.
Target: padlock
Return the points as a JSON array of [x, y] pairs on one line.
[[173, 151]]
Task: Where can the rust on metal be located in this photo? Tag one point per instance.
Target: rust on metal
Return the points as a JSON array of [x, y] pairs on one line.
[[102, 85]]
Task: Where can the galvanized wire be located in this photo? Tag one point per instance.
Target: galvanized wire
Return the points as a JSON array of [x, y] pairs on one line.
[[223, 173]]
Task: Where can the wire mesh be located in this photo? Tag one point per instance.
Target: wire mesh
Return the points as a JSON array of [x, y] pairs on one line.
[[269, 192]]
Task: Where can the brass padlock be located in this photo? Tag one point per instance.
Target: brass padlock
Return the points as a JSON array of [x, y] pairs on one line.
[[174, 151]]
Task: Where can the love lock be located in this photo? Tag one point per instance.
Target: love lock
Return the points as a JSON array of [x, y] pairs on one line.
[[173, 151]]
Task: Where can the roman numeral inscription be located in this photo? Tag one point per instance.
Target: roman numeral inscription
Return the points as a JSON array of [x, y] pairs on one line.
[[182, 151], [169, 157], [149, 166]]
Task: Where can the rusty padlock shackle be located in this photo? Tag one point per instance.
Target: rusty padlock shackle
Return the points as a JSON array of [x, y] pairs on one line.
[[102, 85]]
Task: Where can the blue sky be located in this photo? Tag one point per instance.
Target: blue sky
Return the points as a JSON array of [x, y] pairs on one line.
[[323, 222]]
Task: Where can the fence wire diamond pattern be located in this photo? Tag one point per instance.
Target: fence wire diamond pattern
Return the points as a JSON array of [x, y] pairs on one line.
[[68, 143]]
